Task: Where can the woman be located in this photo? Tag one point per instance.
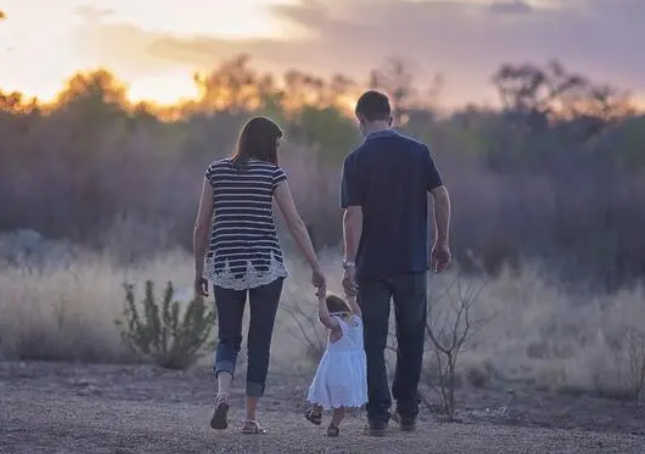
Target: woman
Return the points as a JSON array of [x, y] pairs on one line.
[[243, 257]]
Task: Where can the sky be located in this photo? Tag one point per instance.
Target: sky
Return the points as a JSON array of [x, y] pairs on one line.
[[156, 50]]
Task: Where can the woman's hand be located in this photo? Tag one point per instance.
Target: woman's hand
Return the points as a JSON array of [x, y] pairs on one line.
[[318, 280], [201, 287]]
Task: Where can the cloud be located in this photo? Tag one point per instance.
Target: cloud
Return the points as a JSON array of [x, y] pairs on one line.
[[511, 7], [466, 40], [122, 47], [93, 13]]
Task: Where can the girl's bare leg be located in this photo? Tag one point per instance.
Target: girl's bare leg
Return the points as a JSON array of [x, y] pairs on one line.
[[337, 416]]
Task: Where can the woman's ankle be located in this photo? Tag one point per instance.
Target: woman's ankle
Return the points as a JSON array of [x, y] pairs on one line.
[[224, 383], [251, 408], [222, 397]]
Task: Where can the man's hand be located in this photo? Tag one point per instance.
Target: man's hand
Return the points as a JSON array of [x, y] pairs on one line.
[[440, 257], [349, 281]]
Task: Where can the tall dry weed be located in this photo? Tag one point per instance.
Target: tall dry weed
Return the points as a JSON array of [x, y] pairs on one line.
[[539, 335]]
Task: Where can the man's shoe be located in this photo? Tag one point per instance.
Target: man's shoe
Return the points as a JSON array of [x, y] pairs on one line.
[[375, 428], [407, 424]]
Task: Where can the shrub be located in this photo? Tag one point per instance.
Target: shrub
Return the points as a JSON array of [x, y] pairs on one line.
[[622, 375], [307, 331], [160, 333], [448, 333]]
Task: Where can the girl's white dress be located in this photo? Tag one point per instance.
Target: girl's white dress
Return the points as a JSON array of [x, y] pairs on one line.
[[341, 377]]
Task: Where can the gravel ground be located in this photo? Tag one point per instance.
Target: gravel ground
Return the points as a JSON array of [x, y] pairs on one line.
[[56, 408]]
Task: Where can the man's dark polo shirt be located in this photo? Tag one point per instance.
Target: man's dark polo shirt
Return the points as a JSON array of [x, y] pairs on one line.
[[389, 176]]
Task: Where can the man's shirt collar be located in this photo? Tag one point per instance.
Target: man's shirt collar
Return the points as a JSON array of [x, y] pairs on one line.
[[381, 134]]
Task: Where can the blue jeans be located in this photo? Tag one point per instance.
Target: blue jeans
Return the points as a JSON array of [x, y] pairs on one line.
[[409, 293], [264, 302]]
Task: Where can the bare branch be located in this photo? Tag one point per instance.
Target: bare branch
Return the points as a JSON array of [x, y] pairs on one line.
[[448, 335], [311, 336]]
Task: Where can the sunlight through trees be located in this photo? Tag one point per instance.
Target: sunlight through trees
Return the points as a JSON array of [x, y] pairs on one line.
[[525, 177]]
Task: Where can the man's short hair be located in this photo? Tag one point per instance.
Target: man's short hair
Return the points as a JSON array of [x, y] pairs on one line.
[[373, 106]]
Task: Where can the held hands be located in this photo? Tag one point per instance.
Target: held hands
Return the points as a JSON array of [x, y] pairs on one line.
[[440, 257], [349, 281], [319, 281]]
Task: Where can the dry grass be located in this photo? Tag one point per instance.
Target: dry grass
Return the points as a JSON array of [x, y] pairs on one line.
[[539, 334]]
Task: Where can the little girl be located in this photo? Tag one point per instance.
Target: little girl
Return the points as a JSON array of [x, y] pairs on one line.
[[341, 377]]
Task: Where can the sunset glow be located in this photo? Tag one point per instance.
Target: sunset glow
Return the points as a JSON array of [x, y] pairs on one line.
[[40, 47], [155, 50]]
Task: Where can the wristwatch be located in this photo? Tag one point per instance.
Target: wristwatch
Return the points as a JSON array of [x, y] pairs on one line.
[[347, 264]]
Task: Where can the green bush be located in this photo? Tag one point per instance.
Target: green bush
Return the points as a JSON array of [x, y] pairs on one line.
[[161, 333]]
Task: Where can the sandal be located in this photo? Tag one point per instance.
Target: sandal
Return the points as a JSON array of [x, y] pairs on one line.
[[252, 428], [314, 416], [333, 431], [219, 421]]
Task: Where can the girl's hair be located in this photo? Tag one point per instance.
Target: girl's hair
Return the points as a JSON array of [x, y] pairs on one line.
[[336, 304], [257, 140]]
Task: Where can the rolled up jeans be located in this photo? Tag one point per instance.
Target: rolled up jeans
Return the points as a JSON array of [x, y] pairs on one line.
[[230, 304]]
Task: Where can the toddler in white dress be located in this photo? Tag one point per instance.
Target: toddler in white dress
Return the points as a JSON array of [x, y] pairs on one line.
[[341, 378]]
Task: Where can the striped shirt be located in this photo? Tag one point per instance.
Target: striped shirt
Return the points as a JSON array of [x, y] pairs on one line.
[[244, 251]]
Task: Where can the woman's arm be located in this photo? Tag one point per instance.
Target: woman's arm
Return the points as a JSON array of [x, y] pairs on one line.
[[295, 224], [202, 226], [323, 313]]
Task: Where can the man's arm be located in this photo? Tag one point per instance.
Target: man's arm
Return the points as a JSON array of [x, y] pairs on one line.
[[352, 202], [441, 204], [441, 200], [352, 227]]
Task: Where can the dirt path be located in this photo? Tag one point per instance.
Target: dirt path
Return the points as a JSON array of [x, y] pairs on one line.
[[53, 414]]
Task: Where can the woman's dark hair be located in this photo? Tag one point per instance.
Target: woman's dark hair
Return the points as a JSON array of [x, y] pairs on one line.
[[257, 140], [336, 304]]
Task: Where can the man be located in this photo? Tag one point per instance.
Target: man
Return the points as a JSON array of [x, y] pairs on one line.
[[385, 188]]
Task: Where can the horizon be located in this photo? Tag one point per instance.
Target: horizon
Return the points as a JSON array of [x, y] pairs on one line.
[[156, 51]]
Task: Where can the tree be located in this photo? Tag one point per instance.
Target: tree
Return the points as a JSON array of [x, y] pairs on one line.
[[100, 84], [233, 86], [536, 96], [95, 90], [396, 78], [340, 90], [302, 89]]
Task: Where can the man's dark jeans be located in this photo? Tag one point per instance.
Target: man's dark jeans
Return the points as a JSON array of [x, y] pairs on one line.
[[230, 310], [409, 293]]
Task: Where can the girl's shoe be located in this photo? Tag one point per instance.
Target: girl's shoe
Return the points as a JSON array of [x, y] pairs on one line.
[[252, 428], [333, 431], [314, 416], [219, 421]]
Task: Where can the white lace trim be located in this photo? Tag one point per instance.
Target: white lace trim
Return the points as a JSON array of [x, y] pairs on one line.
[[251, 279]]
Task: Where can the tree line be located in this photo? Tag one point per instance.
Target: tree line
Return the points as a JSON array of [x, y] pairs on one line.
[[555, 176]]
